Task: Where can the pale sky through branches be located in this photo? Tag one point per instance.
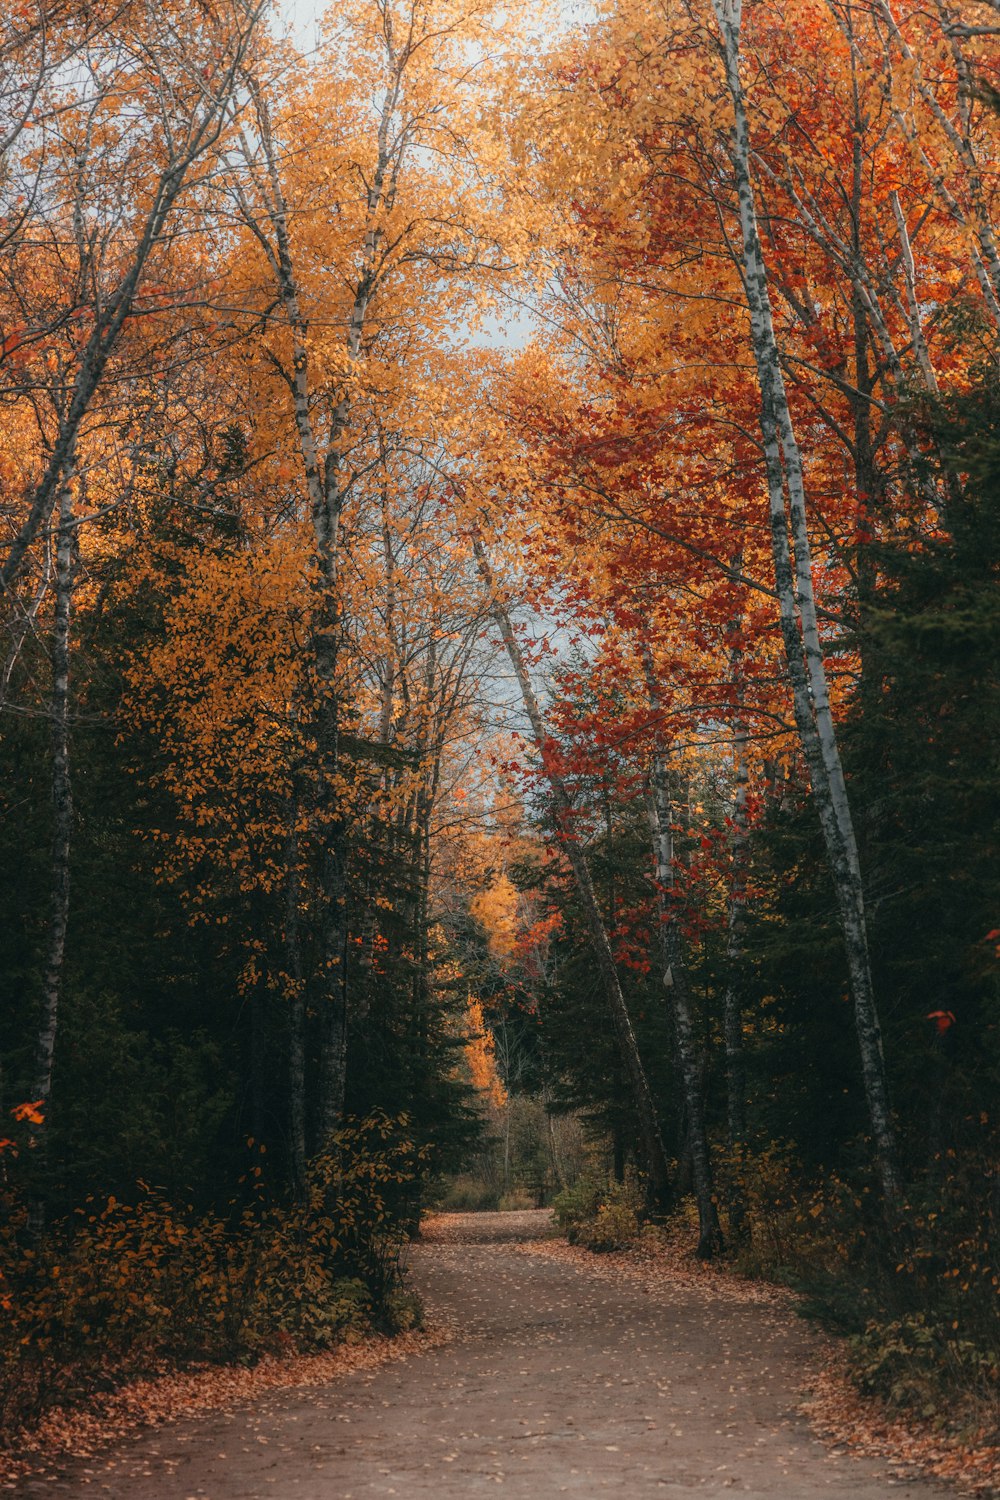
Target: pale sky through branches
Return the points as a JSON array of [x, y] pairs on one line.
[[514, 327], [303, 15]]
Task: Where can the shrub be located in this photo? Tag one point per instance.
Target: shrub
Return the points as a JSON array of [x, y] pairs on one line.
[[467, 1194], [578, 1204], [119, 1288], [916, 1364], [598, 1216], [615, 1227], [918, 1301], [517, 1201]]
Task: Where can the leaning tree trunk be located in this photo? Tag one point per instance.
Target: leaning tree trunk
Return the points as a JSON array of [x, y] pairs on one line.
[[799, 621], [675, 978], [62, 832], [642, 1098]]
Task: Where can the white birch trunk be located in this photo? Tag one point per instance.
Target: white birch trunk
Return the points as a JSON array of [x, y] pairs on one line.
[[327, 488], [62, 832], [735, 925], [799, 623], [739, 847]]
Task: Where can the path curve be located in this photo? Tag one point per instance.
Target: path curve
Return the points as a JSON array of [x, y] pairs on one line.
[[558, 1381]]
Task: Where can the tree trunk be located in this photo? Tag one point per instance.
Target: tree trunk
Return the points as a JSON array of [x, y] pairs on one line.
[[675, 977], [799, 624], [642, 1098], [62, 833], [557, 1170], [297, 1019], [506, 1146], [333, 988], [732, 1010]]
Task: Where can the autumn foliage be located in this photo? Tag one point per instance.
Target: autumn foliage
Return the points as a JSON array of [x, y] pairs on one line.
[[588, 727]]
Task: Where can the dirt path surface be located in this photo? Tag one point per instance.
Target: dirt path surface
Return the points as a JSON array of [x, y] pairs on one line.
[[558, 1381]]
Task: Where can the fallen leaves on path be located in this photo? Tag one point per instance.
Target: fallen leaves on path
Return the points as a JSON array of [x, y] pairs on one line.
[[842, 1416], [838, 1412], [666, 1263], [165, 1397], [487, 1228]]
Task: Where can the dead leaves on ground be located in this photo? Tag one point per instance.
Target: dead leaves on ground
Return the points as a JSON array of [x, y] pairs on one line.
[[79, 1434], [842, 1416], [837, 1411]]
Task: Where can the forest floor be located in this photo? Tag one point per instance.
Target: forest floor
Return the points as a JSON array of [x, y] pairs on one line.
[[559, 1373]]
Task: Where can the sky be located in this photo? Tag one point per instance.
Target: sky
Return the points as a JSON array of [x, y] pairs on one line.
[[303, 15]]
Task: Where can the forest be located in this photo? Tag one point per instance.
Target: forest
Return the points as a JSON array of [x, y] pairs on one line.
[[500, 700]]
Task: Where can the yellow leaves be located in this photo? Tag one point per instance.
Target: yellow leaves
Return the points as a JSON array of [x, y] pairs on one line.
[[496, 910], [215, 1286], [480, 1056]]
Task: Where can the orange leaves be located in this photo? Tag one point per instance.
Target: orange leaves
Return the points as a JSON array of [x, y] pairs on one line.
[[12, 340], [31, 1113]]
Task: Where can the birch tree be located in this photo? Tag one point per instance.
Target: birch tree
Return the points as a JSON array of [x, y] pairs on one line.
[[345, 297], [154, 93], [793, 571]]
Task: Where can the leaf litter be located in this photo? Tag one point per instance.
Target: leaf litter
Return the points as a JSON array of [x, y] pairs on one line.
[[846, 1419], [168, 1394]]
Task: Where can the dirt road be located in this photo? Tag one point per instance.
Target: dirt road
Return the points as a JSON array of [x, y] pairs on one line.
[[558, 1381]]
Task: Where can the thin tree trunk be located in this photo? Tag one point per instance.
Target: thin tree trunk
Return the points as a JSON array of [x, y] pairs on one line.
[[803, 651], [258, 1060], [642, 1098], [554, 1149], [986, 256], [327, 488], [332, 991], [297, 1020], [732, 1010], [735, 927], [62, 833], [506, 1146], [675, 977], [111, 312]]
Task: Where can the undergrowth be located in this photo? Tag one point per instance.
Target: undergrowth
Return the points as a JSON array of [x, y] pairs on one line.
[[121, 1289], [916, 1297], [600, 1216]]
